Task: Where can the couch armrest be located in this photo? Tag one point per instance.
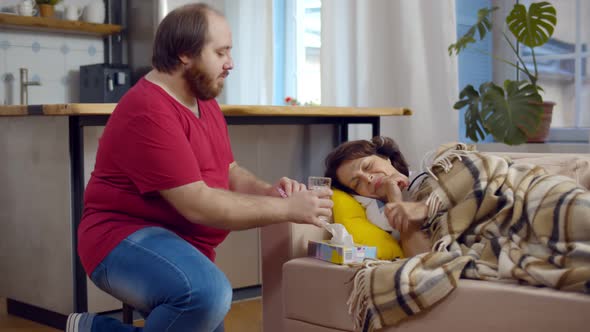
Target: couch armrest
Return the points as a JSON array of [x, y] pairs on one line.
[[576, 166], [279, 244]]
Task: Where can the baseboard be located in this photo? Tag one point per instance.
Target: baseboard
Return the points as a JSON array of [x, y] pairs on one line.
[[246, 293], [36, 314]]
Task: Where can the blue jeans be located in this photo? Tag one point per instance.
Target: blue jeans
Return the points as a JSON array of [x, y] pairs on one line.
[[171, 283]]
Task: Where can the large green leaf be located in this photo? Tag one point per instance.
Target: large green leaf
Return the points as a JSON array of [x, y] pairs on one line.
[[474, 128], [535, 27], [482, 26], [509, 113]]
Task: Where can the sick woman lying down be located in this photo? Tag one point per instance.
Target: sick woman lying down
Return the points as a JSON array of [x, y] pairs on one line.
[[505, 220]]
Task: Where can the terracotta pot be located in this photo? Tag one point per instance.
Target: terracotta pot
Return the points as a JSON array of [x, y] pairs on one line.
[[543, 130], [46, 10]]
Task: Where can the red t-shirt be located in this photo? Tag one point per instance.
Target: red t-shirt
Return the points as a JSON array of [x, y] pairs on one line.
[[150, 143]]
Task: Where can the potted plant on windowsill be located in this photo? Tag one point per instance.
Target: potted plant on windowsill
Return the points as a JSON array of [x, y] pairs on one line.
[[46, 8], [511, 114]]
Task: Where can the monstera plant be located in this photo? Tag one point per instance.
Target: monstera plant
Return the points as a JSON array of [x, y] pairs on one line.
[[510, 113]]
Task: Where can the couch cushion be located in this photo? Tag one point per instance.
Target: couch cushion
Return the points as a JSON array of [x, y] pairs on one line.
[[316, 292]]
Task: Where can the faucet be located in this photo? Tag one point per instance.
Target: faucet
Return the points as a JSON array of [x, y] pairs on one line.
[[24, 86]]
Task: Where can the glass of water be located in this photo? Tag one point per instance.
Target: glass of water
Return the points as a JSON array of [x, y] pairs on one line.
[[318, 182]]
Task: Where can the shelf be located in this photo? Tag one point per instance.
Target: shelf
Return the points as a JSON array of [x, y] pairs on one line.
[[53, 24]]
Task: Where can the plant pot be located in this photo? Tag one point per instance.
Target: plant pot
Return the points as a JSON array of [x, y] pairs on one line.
[[543, 130], [46, 10]]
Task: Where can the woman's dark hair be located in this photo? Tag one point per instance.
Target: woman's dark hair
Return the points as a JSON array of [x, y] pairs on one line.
[[384, 147], [184, 31]]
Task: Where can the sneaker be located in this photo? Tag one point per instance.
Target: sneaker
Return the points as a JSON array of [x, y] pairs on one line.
[[73, 323], [80, 322]]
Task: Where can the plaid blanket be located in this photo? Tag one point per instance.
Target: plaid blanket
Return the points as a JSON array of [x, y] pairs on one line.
[[488, 219]]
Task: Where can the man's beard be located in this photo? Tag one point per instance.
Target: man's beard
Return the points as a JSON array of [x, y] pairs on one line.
[[201, 85]]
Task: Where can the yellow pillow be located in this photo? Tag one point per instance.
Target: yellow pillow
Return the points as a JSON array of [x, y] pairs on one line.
[[351, 214]]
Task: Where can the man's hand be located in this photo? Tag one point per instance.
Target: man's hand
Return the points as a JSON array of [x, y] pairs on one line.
[[224, 209], [404, 216], [306, 207], [288, 186]]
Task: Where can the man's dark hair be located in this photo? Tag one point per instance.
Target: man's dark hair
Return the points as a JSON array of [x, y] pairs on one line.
[[384, 147], [184, 31]]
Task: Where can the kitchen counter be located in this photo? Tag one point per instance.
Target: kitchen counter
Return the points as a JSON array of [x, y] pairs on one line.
[[228, 110], [45, 149]]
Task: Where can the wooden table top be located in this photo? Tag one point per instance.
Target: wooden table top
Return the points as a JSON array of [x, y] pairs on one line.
[[228, 110]]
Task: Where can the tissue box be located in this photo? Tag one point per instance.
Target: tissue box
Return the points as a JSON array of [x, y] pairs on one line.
[[338, 254]]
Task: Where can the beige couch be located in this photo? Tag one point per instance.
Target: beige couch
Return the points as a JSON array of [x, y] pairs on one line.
[[303, 294]]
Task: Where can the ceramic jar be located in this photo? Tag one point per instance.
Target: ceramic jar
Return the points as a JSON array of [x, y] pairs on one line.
[[94, 12]]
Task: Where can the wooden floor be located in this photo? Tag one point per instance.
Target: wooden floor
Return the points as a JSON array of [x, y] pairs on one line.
[[244, 316]]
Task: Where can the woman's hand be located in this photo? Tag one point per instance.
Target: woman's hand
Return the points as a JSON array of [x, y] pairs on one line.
[[404, 216], [391, 187]]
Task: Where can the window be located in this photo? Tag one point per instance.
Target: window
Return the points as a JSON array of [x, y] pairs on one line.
[[297, 69], [562, 63], [563, 71], [474, 67]]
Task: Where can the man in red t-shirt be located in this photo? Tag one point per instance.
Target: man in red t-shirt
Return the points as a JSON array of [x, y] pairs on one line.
[[165, 190]]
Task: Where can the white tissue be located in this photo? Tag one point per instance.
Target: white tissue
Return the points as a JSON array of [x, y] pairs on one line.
[[340, 235]]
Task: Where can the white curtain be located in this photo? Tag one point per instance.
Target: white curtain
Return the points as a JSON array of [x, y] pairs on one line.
[[269, 151], [250, 82], [384, 53]]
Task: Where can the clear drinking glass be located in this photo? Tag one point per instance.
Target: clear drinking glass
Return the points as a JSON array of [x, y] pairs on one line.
[[318, 182]]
